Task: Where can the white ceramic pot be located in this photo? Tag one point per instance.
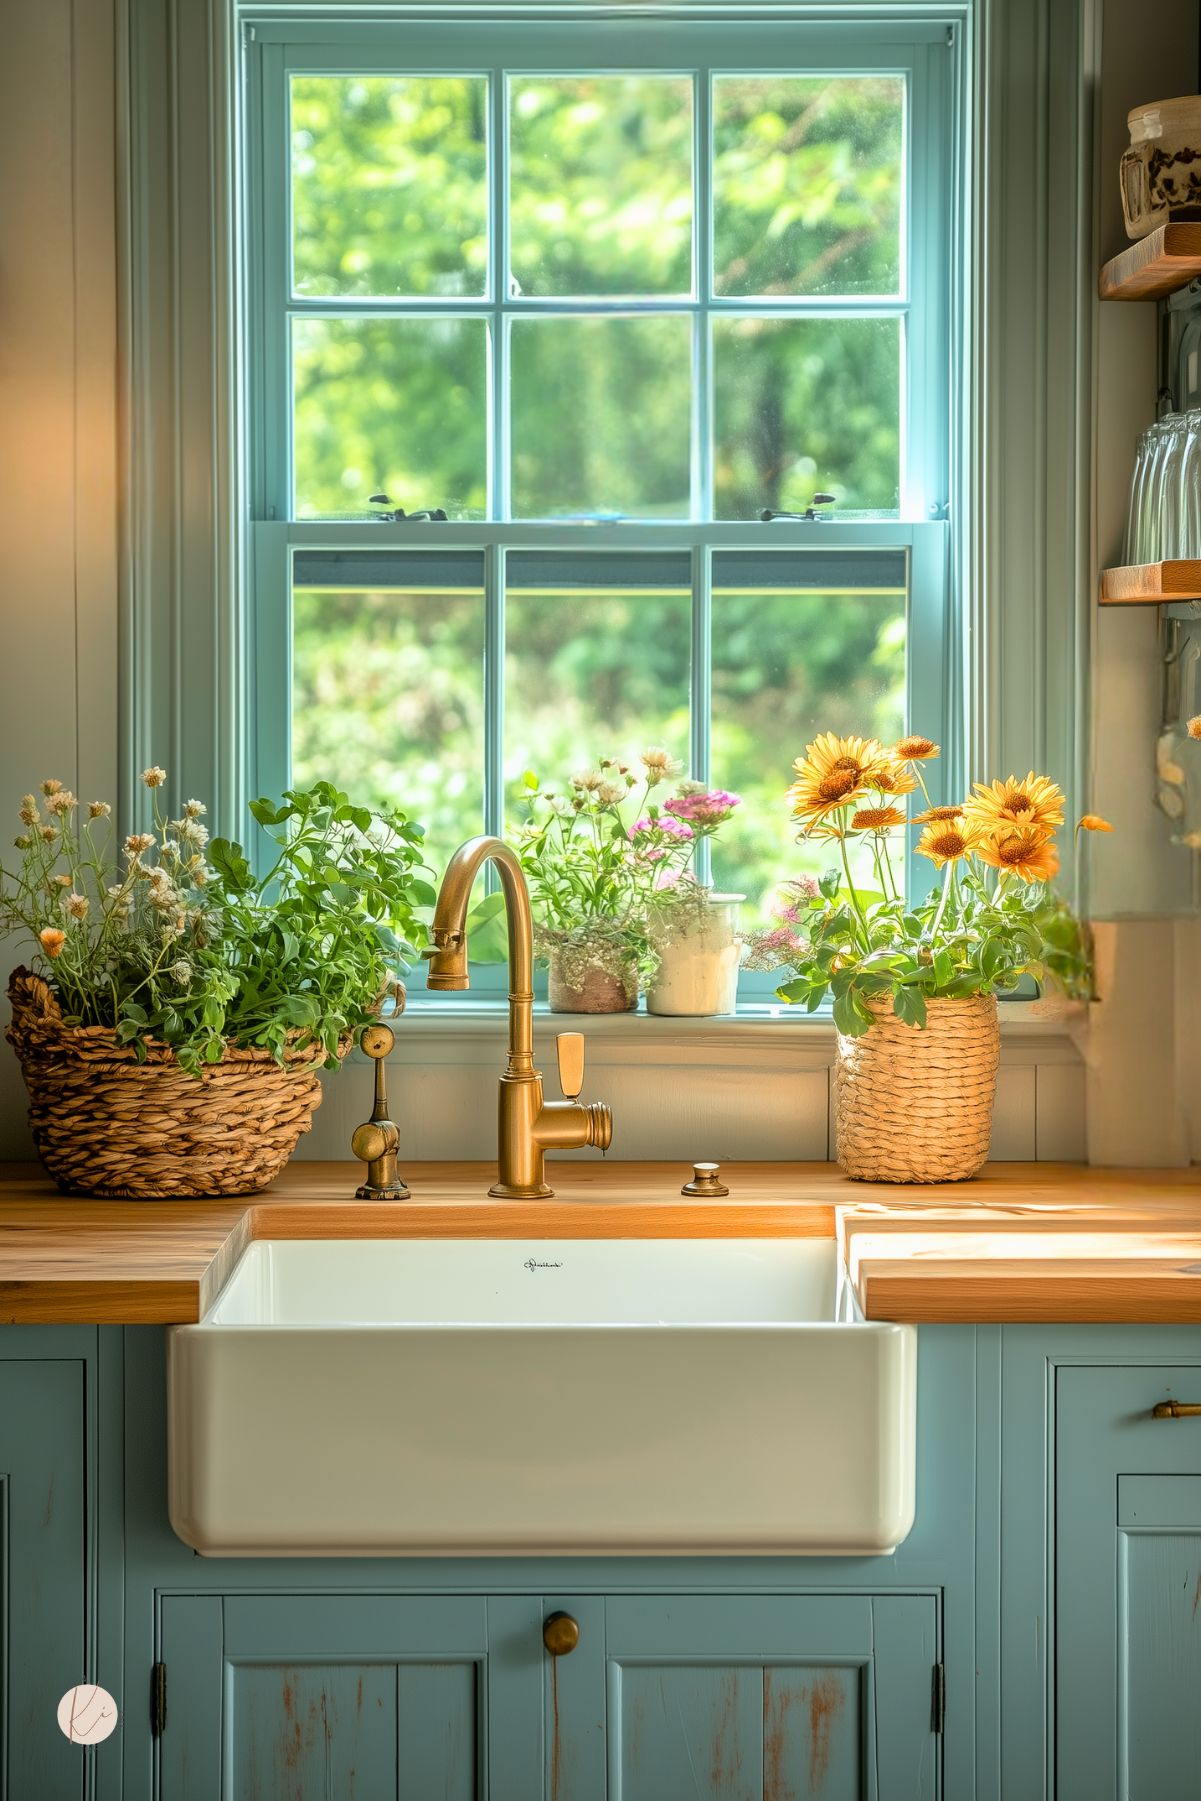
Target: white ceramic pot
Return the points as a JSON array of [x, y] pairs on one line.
[[698, 965], [1161, 171]]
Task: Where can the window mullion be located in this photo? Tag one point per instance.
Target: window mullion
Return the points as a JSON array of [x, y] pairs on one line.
[[701, 683], [494, 691], [498, 260]]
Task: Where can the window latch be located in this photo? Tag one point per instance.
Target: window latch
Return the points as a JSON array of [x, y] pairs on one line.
[[819, 500]]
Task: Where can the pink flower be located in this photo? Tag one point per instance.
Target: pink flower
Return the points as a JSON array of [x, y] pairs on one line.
[[706, 808], [669, 828]]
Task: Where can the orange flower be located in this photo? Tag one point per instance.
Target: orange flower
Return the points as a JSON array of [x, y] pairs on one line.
[[52, 940], [892, 777], [1093, 822], [915, 749], [1035, 802], [937, 815], [946, 841], [876, 819], [1193, 728], [1024, 850]]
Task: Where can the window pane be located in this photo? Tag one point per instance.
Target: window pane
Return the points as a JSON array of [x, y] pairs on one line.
[[807, 184], [600, 183], [579, 445], [597, 655], [389, 185], [393, 406], [805, 406], [800, 646], [388, 684]]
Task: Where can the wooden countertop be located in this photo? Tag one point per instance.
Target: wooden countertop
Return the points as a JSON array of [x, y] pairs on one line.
[[1021, 1242]]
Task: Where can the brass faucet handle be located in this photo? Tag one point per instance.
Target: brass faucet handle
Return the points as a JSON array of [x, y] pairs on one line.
[[569, 1047], [706, 1181]]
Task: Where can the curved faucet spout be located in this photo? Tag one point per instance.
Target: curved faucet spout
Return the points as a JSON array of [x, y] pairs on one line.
[[448, 960]]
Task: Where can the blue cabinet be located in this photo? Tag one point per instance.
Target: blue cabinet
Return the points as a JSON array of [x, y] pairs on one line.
[[452, 1697], [287, 1697], [43, 1608], [1128, 1586], [740, 1698]]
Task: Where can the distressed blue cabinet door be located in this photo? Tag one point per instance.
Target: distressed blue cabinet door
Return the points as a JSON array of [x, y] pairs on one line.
[[1128, 1587], [323, 1698], [42, 1593], [769, 1698]]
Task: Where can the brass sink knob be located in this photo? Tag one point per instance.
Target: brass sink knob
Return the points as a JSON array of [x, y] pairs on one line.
[[706, 1181], [560, 1633], [377, 1140]]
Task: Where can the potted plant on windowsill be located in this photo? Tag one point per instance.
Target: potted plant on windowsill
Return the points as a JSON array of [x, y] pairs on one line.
[[602, 890], [914, 986], [179, 1006]]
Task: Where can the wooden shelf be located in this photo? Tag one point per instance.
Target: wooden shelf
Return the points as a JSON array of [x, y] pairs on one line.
[[1150, 584], [1158, 264]]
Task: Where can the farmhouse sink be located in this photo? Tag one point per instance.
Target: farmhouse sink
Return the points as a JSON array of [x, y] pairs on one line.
[[462, 1397]]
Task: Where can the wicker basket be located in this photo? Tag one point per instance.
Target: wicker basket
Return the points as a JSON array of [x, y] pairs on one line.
[[916, 1105], [105, 1124]]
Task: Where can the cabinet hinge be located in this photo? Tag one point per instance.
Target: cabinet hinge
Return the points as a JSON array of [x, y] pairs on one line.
[[938, 1698], [158, 1699]]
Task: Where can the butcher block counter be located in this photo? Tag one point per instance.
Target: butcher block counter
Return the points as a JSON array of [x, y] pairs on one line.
[[1022, 1242]]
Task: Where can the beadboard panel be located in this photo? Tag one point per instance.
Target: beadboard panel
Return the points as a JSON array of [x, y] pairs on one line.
[[58, 420], [705, 1090]]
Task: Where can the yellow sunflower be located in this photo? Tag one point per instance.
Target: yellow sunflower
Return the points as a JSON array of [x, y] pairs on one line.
[[876, 819], [813, 794], [891, 777], [937, 815], [1022, 850], [914, 749], [1035, 802], [830, 754], [946, 841]]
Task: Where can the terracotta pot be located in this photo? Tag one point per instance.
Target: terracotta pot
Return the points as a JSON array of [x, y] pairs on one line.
[[915, 1105], [595, 991]]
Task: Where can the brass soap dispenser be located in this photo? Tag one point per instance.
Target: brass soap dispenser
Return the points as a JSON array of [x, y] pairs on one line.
[[377, 1140]]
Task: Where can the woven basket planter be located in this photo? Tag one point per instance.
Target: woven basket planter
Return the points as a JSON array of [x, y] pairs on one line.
[[105, 1124], [916, 1105]]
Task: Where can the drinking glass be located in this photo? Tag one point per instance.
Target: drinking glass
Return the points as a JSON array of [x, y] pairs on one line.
[[1135, 512], [1189, 504], [1167, 488]]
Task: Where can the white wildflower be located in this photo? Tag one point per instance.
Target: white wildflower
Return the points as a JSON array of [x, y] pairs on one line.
[[154, 777], [61, 802], [659, 764], [98, 809], [609, 793], [29, 814], [137, 842], [194, 809], [76, 905]]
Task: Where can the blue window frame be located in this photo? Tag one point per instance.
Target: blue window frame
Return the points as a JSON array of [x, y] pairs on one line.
[[678, 568]]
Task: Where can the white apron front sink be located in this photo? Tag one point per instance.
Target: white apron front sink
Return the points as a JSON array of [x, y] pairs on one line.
[[461, 1397]]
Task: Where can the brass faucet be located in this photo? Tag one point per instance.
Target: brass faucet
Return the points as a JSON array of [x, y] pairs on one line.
[[528, 1126]]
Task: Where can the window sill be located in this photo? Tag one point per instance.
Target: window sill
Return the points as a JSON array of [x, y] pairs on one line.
[[1031, 1031]]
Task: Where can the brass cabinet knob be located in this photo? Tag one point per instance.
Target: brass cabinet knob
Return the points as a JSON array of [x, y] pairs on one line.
[[705, 1181], [1175, 1410], [560, 1633]]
